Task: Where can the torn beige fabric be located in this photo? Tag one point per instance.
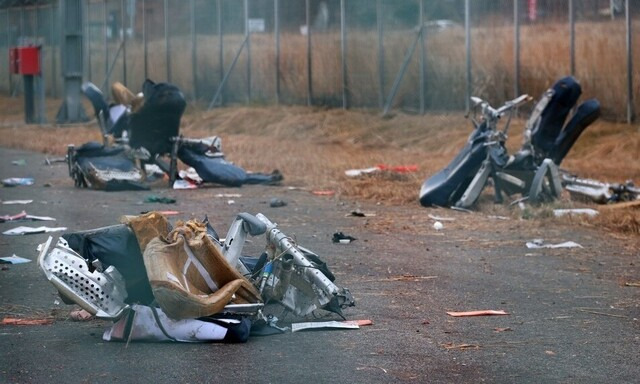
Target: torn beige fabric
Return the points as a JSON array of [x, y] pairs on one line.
[[147, 227], [190, 277]]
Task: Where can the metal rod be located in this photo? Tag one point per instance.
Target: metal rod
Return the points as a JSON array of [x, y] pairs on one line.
[[124, 43], [516, 47], [467, 46], [54, 62], [220, 45], [144, 39], [88, 40], [8, 31], [106, 43], [343, 53], [194, 50], [166, 40], [247, 33], [309, 74], [422, 53], [110, 67], [380, 25], [40, 79], [630, 111], [226, 75], [22, 23], [572, 37], [276, 31], [403, 69]]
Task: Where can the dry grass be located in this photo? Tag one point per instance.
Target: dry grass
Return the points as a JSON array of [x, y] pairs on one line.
[[314, 146]]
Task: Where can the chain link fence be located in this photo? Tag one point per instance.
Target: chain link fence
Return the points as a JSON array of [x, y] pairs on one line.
[[413, 55]]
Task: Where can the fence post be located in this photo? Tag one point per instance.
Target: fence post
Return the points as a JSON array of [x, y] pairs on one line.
[[516, 47], [379, 20], [124, 43], [572, 44], [53, 55], [8, 30], [309, 75], [630, 112], [247, 34], [422, 53], [166, 39], [87, 14], [194, 50], [276, 31], [144, 39], [220, 47], [106, 42], [467, 45], [343, 51]]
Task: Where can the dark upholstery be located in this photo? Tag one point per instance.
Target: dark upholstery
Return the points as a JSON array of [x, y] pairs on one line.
[[158, 120]]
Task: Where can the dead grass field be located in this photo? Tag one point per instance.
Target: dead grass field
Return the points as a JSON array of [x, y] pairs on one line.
[[314, 146]]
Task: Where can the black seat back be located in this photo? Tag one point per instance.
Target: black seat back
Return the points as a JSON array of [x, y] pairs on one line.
[[153, 126], [566, 92], [586, 114]]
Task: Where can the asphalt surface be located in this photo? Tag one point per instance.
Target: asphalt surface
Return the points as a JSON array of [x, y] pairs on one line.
[[571, 317]]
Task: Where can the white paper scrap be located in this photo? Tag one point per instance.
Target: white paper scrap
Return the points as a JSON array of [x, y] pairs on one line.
[[539, 243], [13, 259], [322, 324], [9, 202], [31, 231], [576, 211]]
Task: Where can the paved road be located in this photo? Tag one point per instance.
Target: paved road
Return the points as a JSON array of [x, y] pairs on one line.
[[571, 319]]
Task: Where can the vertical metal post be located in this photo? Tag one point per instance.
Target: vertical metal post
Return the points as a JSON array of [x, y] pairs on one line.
[[54, 61], [309, 75], [247, 33], [145, 46], [166, 40], [422, 53], [40, 79], [467, 45], [630, 112], [572, 42], [9, 45], [124, 42], [379, 19], [194, 49], [220, 45], [106, 41], [72, 110], [22, 28], [276, 31], [343, 52], [516, 47], [87, 15]]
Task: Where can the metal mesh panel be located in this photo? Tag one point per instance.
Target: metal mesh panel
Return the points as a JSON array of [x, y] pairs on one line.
[[195, 43]]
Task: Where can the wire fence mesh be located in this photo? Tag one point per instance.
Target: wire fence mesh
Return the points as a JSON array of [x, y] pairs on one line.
[[409, 54]]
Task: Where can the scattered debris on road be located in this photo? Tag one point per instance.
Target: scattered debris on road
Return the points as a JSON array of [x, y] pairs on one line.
[[13, 259], [478, 313], [20, 321], [31, 231], [539, 243], [341, 238]]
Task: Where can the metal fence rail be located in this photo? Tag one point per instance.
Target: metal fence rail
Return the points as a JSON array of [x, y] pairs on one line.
[[410, 54]]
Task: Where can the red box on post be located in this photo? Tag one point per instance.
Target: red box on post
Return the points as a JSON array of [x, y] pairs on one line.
[[24, 60]]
